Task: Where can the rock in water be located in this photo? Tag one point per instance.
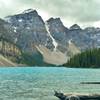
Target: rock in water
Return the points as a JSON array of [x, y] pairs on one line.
[[62, 96]]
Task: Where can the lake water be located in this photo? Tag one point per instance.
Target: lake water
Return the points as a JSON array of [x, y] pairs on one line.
[[39, 83]]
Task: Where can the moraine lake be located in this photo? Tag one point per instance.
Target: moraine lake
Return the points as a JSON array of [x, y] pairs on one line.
[[39, 83]]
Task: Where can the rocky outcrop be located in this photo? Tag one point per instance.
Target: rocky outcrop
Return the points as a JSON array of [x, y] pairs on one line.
[[29, 28], [77, 96], [6, 31], [58, 31], [75, 27], [80, 38]]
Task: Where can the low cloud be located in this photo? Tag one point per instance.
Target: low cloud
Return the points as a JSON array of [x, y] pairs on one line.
[[81, 11]]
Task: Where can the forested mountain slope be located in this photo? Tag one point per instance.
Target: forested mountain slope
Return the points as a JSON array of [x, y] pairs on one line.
[[89, 58]]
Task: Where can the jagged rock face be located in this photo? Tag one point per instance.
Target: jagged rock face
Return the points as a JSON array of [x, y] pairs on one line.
[[6, 31], [29, 28], [80, 39], [94, 36], [58, 31], [84, 38], [75, 27], [2, 29]]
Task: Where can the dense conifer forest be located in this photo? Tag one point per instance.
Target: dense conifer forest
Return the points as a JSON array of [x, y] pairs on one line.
[[89, 58]]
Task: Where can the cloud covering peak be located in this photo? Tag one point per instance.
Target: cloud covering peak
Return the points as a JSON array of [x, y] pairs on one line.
[[84, 12]]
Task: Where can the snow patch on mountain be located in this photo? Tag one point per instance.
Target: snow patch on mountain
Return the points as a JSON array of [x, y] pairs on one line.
[[54, 41], [70, 41], [20, 20], [28, 11], [15, 29], [28, 28], [15, 40], [7, 19]]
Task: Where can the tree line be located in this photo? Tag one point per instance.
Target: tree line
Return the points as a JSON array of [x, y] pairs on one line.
[[89, 58]]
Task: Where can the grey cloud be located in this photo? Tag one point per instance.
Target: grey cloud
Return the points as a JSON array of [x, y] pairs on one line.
[[74, 10], [77, 10]]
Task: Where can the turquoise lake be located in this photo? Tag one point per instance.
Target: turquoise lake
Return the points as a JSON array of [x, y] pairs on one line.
[[39, 83]]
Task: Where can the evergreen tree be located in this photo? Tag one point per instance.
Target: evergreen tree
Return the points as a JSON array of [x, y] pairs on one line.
[[89, 58]]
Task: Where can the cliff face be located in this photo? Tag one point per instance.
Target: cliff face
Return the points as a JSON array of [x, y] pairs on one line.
[[29, 28], [58, 32], [6, 31]]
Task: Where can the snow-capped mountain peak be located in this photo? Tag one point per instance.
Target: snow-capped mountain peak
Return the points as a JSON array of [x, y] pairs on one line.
[[28, 11]]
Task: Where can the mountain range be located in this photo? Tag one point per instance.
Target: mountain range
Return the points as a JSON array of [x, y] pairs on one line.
[[51, 39]]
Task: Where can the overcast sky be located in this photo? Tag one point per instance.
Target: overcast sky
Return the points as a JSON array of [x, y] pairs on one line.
[[82, 12]]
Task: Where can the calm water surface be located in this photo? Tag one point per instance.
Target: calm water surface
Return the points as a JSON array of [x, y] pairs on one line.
[[39, 83]]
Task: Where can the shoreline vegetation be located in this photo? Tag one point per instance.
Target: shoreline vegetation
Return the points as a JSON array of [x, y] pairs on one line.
[[87, 59]]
